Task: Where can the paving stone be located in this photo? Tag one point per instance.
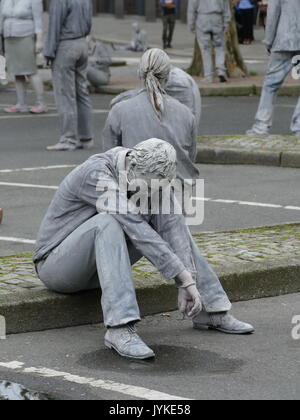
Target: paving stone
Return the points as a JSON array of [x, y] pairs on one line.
[[231, 248]]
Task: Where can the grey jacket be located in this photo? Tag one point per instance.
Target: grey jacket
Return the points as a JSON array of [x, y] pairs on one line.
[[132, 121], [21, 18], [283, 25], [180, 86], [203, 8], [68, 19], [77, 200]]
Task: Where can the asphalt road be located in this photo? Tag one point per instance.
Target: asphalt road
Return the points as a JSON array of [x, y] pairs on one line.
[[189, 364], [23, 140]]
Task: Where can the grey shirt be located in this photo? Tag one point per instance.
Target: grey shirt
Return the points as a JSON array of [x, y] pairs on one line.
[[180, 86], [21, 18], [198, 8], [283, 25], [77, 200], [68, 19], [134, 120]]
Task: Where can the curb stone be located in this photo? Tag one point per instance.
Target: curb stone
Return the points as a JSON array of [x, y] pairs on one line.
[[41, 310]]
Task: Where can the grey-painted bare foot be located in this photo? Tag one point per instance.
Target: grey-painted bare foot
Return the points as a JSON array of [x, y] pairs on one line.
[[127, 343]]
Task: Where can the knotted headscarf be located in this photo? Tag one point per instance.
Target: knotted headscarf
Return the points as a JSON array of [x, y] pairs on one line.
[[155, 67]]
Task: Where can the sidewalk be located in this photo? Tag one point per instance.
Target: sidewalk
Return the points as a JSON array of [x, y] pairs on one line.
[[251, 264], [111, 30], [250, 150]]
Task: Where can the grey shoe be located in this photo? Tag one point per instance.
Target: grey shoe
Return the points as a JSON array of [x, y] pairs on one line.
[[207, 79], [63, 147], [127, 343], [86, 144], [222, 322], [256, 131]]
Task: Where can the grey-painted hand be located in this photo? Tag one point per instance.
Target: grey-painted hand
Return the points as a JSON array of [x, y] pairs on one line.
[[189, 301]]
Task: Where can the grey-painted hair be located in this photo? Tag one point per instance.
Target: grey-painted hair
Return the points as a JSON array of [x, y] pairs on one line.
[[153, 157], [154, 70]]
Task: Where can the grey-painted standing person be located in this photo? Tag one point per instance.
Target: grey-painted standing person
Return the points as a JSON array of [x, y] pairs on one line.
[[99, 63], [210, 20], [283, 42], [21, 27], [152, 113], [180, 86], [70, 22], [88, 241]]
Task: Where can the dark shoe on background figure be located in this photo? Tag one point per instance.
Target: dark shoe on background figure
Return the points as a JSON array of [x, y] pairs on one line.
[[223, 79]]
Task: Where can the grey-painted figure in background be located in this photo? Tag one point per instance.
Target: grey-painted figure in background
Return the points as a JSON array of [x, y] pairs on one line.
[[21, 39], [180, 86], [210, 20], [70, 22], [152, 113], [139, 42], [283, 41], [85, 242], [99, 63]]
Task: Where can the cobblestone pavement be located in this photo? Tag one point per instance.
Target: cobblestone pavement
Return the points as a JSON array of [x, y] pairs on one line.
[[272, 142], [258, 245]]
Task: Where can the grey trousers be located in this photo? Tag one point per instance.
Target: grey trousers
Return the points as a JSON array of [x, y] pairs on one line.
[[210, 34], [280, 66], [98, 254], [71, 91]]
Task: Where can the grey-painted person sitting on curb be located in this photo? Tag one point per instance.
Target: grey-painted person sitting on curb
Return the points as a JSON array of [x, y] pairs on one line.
[[180, 86], [66, 50], [210, 20], [283, 43], [94, 231], [99, 63], [154, 114], [139, 42]]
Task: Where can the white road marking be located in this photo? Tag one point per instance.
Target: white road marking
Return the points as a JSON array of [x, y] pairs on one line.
[[20, 116], [14, 184], [18, 240], [206, 199], [40, 168], [248, 203], [133, 391]]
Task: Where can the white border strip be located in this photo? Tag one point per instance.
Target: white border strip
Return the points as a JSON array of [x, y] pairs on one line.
[[248, 203], [18, 240], [133, 391], [14, 184], [24, 116], [40, 168]]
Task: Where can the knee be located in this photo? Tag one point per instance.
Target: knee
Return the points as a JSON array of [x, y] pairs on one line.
[[107, 223]]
